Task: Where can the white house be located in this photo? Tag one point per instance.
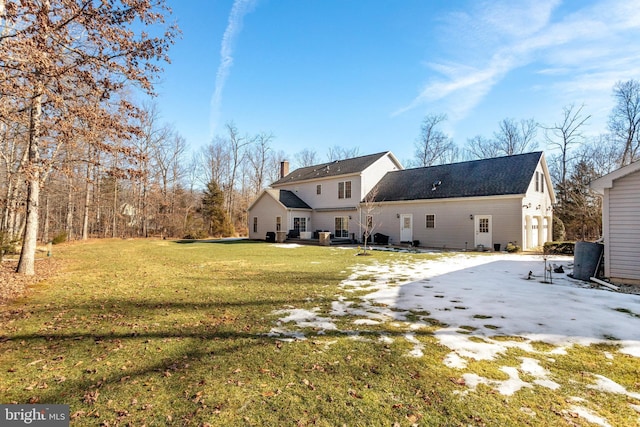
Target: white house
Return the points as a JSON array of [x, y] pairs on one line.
[[454, 206], [621, 223], [322, 197]]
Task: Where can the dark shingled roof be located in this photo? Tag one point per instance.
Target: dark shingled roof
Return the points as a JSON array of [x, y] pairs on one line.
[[488, 177], [290, 200], [335, 168]]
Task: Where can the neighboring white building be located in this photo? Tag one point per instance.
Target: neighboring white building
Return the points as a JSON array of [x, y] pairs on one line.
[[455, 206], [621, 223]]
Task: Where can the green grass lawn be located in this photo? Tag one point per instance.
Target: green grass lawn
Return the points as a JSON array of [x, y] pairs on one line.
[[144, 332]]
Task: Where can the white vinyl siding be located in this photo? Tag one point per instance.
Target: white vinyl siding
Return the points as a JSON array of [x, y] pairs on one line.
[[624, 227], [455, 223]]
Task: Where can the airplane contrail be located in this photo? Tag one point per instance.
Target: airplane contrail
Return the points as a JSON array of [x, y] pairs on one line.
[[238, 11]]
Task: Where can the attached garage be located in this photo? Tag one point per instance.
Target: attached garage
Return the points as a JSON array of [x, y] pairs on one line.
[[621, 223]]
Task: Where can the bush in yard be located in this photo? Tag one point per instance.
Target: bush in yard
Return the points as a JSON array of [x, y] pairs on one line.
[[195, 235], [559, 248], [559, 231], [511, 248], [60, 238]]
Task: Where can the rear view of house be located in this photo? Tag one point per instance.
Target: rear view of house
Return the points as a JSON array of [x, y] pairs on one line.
[[324, 197], [475, 204]]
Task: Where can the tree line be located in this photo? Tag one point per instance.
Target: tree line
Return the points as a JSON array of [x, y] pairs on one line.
[[81, 157], [574, 159]]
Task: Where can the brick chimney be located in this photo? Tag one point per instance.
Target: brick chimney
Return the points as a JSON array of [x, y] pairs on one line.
[[284, 169]]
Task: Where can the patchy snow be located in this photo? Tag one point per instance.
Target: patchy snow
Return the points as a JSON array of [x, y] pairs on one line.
[[590, 416], [609, 386], [491, 296], [287, 245], [482, 305], [306, 319], [417, 345], [532, 367]]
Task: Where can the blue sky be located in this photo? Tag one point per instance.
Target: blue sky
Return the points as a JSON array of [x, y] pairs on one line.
[[364, 73]]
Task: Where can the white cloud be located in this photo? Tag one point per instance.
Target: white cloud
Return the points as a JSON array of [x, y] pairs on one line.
[[586, 51], [234, 26]]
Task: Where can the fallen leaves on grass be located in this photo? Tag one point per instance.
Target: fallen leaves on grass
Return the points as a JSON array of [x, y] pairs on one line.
[[458, 381], [14, 285], [91, 397]]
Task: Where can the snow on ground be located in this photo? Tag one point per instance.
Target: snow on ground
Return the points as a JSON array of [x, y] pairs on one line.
[[479, 297]]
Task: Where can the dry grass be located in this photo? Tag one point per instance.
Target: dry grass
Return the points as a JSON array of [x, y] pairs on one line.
[[146, 333]]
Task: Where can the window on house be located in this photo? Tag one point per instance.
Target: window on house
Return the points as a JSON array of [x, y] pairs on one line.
[[278, 223], [344, 190], [431, 221], [341, 226], [483, 225], [300, 224], [255, 224], [319, 189], [537, 181], [541, 182]]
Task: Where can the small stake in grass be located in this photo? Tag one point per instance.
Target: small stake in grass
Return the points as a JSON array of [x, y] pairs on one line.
[[547, 271]]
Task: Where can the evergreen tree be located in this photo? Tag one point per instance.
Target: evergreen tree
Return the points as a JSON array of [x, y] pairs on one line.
[[580, 207], [214, 213]]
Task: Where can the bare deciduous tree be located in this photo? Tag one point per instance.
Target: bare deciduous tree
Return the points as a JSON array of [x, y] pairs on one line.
[[516, 137], [433, 146], [367, 220], [563, 135], [479, 147], [56, 54], [624, 121], [340, 153], [306, 158], [258, 155]]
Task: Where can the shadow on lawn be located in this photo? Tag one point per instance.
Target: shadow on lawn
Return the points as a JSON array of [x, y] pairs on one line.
[[226, 241], [179, 370]]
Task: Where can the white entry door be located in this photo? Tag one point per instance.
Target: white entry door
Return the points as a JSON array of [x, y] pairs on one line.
[[484, 232], [406, 228], [535, 233]]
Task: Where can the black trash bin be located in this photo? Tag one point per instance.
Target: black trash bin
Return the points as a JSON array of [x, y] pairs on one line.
[[381, 239], [271, 236], [496, 247]]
